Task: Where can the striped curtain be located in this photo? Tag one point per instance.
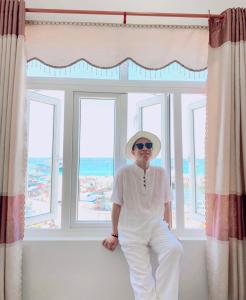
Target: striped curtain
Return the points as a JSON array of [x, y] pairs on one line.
[[13, 146], [226, 156]]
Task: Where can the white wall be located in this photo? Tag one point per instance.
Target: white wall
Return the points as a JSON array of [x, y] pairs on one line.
[[84, 270]]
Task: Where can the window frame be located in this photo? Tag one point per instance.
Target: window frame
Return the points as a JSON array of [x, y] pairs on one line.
[[54, 102], [71, 87], [192, 107], [119, 138], [181, 230]]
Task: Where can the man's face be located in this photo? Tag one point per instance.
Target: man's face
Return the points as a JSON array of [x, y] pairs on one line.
[[143, 155]]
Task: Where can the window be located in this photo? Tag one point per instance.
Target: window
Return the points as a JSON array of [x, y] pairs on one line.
[[44, 183], [150, 112], [173, 72], [193, 118], [70, 177], [79, 70], [95, 165], [198, 117], [188, 123]]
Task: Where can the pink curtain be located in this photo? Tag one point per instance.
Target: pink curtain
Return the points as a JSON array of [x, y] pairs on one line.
[[13, 146], [226, 156]]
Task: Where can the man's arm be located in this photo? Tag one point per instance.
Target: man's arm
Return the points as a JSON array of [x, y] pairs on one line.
[[168, 213], [115, 217], [111, 242]]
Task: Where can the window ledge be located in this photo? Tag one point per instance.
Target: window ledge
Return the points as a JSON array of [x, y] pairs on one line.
[[89, 239], [88, 235]]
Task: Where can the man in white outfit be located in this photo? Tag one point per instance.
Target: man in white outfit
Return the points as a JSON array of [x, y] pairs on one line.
[[141, 207]]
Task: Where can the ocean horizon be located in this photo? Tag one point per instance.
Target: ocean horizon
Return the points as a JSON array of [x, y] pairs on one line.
[[101, 166]]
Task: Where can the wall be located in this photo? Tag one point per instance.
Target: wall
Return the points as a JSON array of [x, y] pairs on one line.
[[84, 270]]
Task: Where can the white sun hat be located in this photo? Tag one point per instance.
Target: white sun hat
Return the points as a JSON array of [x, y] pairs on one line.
[[143, 134]]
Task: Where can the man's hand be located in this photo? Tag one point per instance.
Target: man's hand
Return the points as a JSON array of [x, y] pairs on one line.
[[110, 243]]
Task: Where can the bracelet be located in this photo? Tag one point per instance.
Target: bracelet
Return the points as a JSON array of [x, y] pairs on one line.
[[115, 235]]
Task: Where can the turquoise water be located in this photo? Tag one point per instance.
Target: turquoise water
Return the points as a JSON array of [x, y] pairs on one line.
[[102, 166]]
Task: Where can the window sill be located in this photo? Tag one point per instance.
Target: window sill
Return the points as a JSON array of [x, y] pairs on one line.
[[92, 234]]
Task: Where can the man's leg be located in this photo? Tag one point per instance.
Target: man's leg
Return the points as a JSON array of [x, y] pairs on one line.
[[138, 259], [169, 251]]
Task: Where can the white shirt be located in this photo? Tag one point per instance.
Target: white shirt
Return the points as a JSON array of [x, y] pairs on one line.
[[142, 196]]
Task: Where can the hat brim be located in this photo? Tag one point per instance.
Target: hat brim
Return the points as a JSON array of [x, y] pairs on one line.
[[143, 134]]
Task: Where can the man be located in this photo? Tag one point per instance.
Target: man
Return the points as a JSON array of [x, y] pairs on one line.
[[141, 194]]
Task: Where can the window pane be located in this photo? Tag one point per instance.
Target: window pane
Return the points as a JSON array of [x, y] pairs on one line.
[[44, 178], [193, 128], [143, 114], [133, 116], [172, 72], [40, 159], [172, 164], [96, 164], [151, 121], [80, 69], [199, 115]]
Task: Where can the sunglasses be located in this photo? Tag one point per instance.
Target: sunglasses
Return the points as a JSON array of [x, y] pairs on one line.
[[140, 146]]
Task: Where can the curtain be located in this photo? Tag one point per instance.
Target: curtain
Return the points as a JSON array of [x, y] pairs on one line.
[[105, 46], [226, 156], [13, 146]]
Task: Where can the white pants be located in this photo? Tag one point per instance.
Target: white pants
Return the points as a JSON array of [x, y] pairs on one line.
[[165, 284]]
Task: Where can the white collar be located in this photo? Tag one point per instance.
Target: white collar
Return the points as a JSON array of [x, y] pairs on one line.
[[140, 171]]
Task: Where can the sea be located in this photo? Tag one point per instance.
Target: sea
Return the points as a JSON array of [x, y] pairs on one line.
[[102, 166]]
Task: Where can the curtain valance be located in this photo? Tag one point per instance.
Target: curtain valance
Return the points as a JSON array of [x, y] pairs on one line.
[[152, 47]]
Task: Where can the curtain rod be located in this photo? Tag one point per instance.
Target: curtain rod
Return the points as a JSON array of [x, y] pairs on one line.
[[118, 13]]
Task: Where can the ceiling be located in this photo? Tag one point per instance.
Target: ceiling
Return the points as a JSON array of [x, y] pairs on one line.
[[177, 6]]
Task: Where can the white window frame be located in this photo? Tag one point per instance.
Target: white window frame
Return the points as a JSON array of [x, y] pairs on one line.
[[55, 103], [71, 87], [119, 138], [192, 108]]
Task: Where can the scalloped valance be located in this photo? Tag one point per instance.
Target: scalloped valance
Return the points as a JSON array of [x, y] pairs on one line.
[[150, 46]]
